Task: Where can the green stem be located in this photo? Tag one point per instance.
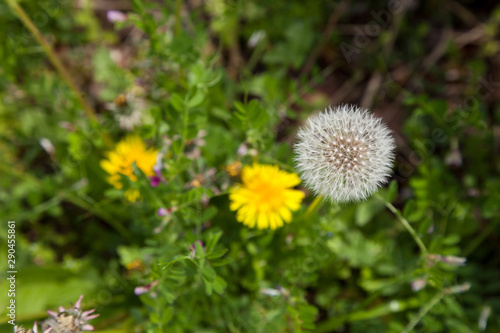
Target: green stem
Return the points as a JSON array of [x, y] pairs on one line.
[[113, 222], [178, 7], [185, 126], [481, 237], [432, 302], [313, 206], [405, 223], [69, 196], [54, 59], [423, 311]]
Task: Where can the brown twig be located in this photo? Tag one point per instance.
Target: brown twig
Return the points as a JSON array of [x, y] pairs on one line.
[[332, 22], [462, 12], [376, 79], [346, 88], [54, 59], [372, 88], [471, 36], [105, 5], [433, 57]]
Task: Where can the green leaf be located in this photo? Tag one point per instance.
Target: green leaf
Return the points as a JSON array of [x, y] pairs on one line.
[[241, 108], [169, 295], [390, 193], [216, 254], [200, 253], [177, 102], [307, 315], [209, 213], [257, 116], [221, 262], [213, 238], [155, 319], [208, 273], [167, 315], [452, 239], [412, 213], [366, 210], [196, 100], [208, 286], [219, 285], [176, 273]]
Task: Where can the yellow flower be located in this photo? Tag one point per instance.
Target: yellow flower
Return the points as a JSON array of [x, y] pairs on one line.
[[135, 265], [119, 162], [234, 168], [266, 197]]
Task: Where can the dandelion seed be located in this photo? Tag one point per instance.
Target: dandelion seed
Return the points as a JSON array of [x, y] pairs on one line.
[[366, 153]]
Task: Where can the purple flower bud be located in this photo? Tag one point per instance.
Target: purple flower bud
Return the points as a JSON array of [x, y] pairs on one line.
[[155, 181], [140, 290], [163, 212], [116, 16], [157, 178], [192, 248], [144, 289]]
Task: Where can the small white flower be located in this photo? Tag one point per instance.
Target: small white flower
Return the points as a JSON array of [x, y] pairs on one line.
[[255, 38], [270, 291], [418, 284], [47, 146], [344, 153]]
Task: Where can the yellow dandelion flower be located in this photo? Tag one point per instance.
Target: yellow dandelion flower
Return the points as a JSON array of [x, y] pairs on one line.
[[266, 197], [119, 162]]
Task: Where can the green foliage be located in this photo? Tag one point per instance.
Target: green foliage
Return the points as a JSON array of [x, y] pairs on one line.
[[183, 76]]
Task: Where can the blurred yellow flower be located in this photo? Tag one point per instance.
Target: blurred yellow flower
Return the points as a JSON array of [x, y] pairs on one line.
[[119, 161], [135, 265], [234, 168], [266, 197]]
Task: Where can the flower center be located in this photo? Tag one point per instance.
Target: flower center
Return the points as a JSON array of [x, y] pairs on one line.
[[346, 152], [267, 196]]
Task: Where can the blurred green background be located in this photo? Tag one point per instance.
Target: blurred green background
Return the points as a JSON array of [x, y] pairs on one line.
[[243, 75]]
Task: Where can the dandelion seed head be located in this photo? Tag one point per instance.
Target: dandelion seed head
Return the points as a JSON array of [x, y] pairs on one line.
[[344, 153]]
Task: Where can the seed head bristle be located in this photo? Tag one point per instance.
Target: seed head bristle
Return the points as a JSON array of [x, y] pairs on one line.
[[344, 153]]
